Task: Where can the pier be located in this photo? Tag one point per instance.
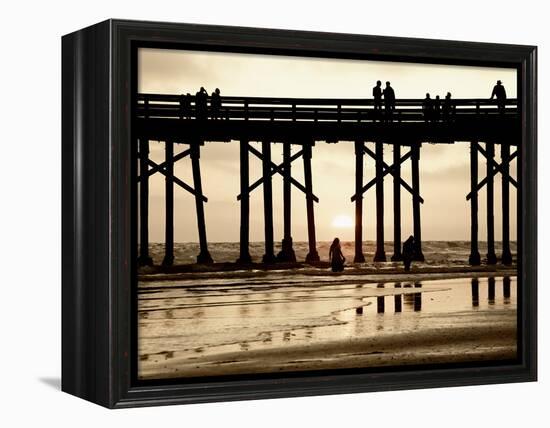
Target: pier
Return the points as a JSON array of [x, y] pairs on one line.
[[480, 124]]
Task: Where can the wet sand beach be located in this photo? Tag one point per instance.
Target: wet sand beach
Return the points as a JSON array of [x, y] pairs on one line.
[[288, 320]]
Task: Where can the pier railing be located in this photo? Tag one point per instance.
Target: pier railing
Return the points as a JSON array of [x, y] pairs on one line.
[[164, 106]]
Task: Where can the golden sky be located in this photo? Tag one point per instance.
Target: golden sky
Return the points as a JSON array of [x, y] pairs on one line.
[[444, 169]]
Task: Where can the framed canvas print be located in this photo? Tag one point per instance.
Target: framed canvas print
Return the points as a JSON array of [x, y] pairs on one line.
[[253, 213]]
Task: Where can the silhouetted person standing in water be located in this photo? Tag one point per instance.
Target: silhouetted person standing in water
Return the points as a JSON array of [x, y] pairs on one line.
[[336, 257], [408, 252], [216, 104], [447, 107], [427, 108], [500, 93], [377, 95], [201, 104], [389, 101]]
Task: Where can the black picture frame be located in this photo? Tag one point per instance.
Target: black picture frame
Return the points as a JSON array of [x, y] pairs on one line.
[[98, 255]]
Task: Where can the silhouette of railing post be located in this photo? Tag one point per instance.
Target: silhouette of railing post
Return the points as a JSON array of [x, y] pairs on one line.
[[182, 106], [287, 252], [397, 256], [359, 154], [491, 256], [312, 255], [144, 258], [505, 155], [244, 254], [204, 255], [269, 256], [474, 250], [380, 255], [169, 207], [417, 232]]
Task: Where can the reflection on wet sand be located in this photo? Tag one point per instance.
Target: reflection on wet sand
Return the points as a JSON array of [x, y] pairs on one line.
[[380, 301], [397, 298], [238, 328], [491, 290]]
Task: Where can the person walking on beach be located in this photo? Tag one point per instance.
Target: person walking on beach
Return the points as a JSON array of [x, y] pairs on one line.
[[377, 95], [500, 93], [336, 257], [389, 101], [408, 252]]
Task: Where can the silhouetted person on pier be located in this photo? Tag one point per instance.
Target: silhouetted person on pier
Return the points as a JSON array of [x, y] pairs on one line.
[[389, 100], [447, 107], [408, 252], [427, 108], [216, 104], [201, 104], [500, 93], [336, 257], [377, 95], [437, 108]]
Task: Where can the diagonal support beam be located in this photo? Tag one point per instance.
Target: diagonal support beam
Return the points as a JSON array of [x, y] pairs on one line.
[[497, 168], [162, 165], [179, 182], [387, 170], [278, 169]]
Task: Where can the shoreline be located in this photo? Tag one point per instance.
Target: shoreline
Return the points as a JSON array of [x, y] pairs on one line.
[[368, 274], [472, 344]]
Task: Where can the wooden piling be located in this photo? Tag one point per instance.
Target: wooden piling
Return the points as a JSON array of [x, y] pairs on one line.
[[380, 255], [505, 155], [287, 251], [204, 255], [269, 256], [359, 154], [491, 256], [397, 256], [169, 205], [417, 232], [144, 258], [474, 250], [244, 254], [312, 255]]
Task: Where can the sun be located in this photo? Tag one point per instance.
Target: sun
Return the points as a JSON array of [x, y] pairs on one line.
[[342, 221]]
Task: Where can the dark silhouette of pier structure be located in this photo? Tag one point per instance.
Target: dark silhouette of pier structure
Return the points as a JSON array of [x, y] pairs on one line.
[[297, 122]]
